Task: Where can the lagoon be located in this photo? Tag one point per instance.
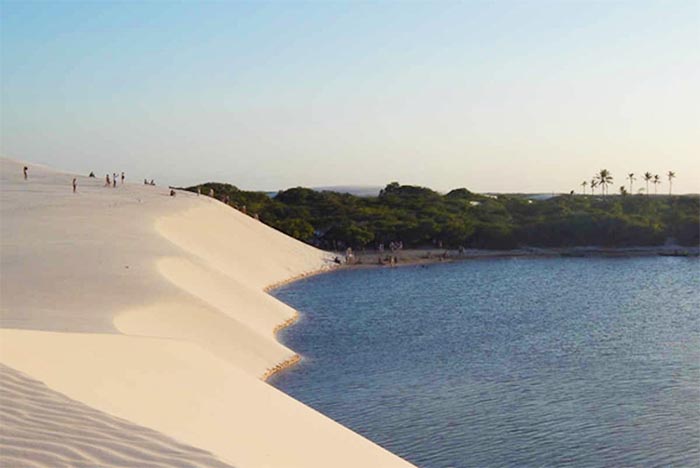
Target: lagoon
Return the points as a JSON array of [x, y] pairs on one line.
[[504, 362]]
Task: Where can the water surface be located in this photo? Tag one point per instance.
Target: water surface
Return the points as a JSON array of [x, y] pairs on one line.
[[527, 362]]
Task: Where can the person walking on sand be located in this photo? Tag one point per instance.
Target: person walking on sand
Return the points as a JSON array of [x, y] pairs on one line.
[[122, 177], [75, 184], [114, 180], [107, 181], [25, 172], [199, 190]]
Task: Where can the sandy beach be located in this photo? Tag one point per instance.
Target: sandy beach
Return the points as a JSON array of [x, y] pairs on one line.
[[136, 331], [374, 258]]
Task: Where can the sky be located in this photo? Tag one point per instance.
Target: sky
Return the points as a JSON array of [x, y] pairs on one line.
[[495, 96]]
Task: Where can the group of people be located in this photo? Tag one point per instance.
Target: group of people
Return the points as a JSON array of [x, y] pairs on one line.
[[109, 181], [113, 181], [351, 258], [393, 246], [211, 191]]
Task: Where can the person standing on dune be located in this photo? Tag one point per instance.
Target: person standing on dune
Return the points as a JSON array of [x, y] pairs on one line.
[[107, 181], [114, 180], [122, 177], [25, 172], [75, 184]]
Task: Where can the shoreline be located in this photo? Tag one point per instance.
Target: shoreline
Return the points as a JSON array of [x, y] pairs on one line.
[[326, 269], [296, 358], [376, 259], [289, 362]]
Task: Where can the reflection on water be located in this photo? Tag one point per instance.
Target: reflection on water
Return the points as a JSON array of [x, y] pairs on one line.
[[507, 362]]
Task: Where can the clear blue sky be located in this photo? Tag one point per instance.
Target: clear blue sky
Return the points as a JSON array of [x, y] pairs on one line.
[[494, 96]]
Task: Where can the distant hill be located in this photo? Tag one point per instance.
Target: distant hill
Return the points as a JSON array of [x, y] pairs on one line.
[[529, 196], [356, 190]]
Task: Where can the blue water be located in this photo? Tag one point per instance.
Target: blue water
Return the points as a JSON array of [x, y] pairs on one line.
[[511, 362]]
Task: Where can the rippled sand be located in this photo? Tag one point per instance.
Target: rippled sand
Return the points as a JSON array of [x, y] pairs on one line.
[[51, 430]]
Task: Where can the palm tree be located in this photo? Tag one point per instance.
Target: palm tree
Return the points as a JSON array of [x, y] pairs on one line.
[[647, 178], [631, 178], [604, 178], [594, 184], [583, 186], [671, 175], [656, 181]]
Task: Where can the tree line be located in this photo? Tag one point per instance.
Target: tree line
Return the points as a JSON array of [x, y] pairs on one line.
[[421, 217]]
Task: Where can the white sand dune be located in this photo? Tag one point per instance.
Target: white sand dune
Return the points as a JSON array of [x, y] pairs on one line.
[[129, 304], [44, 428]]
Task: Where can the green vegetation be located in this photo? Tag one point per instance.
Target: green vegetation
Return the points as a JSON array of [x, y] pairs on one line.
[[421, 217]]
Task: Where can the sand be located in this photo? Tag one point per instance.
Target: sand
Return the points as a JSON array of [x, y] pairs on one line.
[[136, 331], [42, 426], [371, 258]]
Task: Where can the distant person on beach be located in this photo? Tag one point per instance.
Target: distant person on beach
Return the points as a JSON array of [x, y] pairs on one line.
[[75, 184], [199, 190], [25, 172], [92, 174], [114, 180], [211, 192], [153, 182], [107, 181], [172, 193], [122, 177], [145, 182]]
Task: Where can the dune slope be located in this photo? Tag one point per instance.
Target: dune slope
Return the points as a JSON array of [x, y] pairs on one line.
[[150, 309]]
